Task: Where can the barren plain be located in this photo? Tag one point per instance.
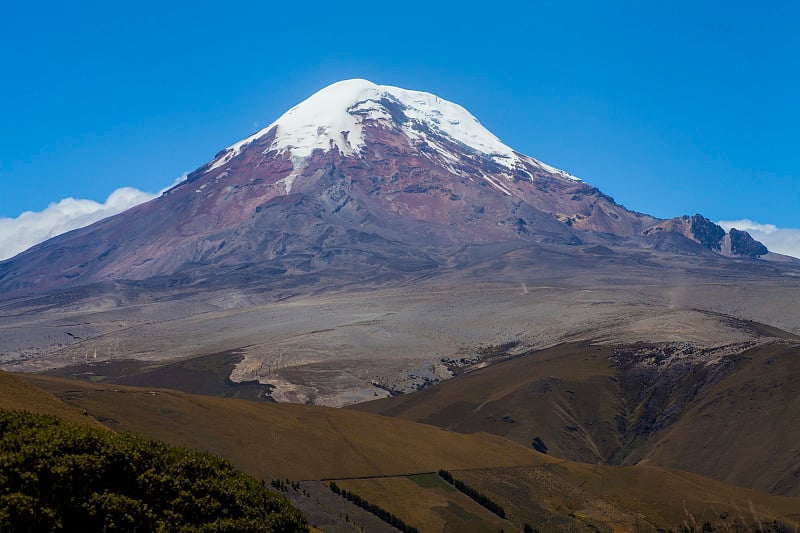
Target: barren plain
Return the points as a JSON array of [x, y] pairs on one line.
[[338, 347]]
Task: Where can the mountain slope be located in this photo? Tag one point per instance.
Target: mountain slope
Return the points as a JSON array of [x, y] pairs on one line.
[[359, 180]]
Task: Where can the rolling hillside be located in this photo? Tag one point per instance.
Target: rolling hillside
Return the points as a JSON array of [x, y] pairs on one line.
[[17, 393], [731, 416], [379, 456]]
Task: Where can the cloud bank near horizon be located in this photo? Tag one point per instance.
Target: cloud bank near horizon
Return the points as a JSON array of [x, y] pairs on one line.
[[784, 241], [32, 227]]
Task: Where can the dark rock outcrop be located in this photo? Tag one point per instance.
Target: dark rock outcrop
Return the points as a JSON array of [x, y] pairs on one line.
[[706, 232], [745, 245]]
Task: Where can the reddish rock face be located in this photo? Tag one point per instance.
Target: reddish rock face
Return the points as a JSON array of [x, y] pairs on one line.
[[414, 179]]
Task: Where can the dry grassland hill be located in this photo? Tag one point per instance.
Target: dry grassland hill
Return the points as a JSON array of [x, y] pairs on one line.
[[292, 441], [18, 394], [730, 415], [380, 457]]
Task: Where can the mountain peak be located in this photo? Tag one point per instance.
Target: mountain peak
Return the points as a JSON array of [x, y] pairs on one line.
[[357, 180], [335, 118]]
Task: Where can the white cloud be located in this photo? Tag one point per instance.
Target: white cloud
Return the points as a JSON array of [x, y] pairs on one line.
[[30, 228], [180, 179], [19, 234], [781, 240]]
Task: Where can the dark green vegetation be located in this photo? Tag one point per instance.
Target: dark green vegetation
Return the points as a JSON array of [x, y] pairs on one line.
[[381, 513], [58, 476], [479, 497]]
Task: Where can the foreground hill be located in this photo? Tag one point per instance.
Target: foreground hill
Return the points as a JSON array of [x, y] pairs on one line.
[[385, 454], [17, 393], [62, 477], [287, 440]]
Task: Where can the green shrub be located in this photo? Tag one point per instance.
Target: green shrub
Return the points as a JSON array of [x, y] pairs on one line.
[[57, 476]]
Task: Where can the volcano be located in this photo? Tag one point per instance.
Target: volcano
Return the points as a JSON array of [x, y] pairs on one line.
[[360, 182]]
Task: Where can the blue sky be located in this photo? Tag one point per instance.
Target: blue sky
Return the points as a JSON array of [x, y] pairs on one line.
[[672, 107]]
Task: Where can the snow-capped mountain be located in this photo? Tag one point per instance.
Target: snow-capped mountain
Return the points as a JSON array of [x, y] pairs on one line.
[[416, 139], [336, 118], [357, 181]]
